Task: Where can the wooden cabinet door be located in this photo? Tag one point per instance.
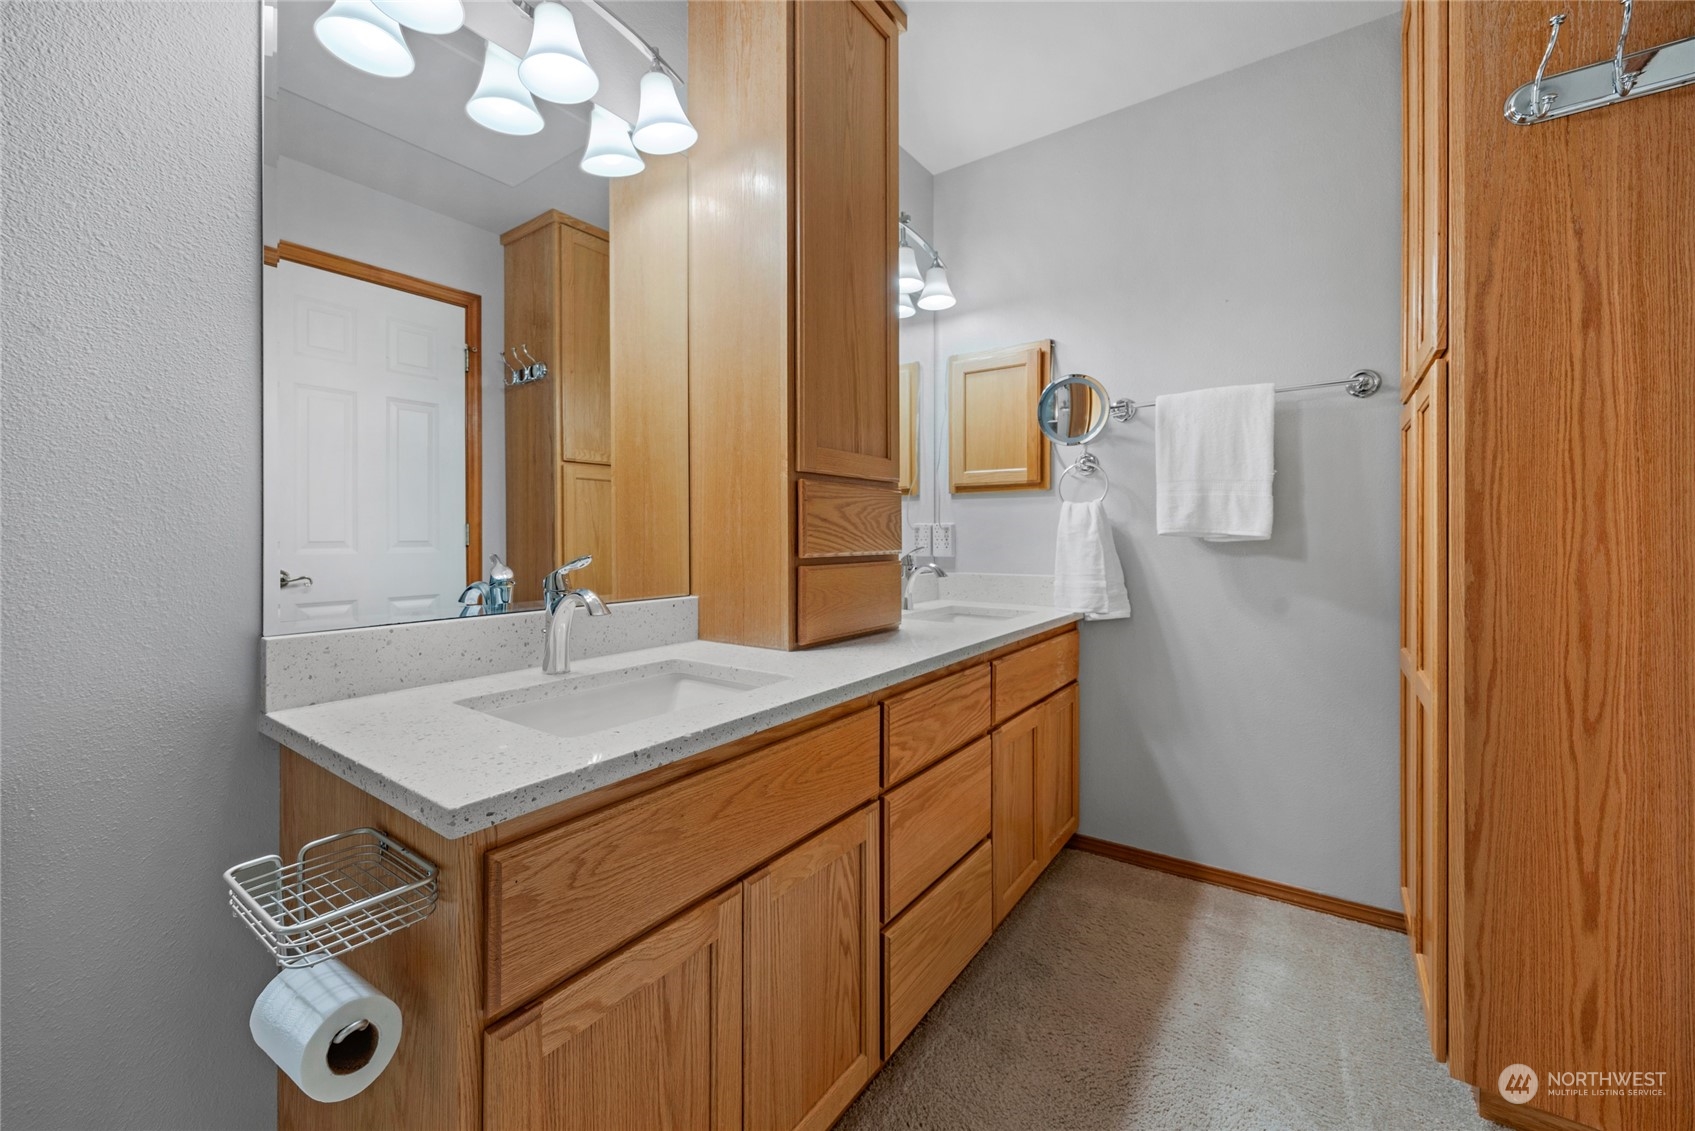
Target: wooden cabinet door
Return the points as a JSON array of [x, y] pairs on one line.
[[650, 1038], [1055, 775], [1013, 801], [813, 978], [1424, 764], [994, 443], [585, 524], [1424, 231], [846, 209]]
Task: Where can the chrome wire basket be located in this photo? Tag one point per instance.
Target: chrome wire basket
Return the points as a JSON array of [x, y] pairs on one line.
[[341, 892]]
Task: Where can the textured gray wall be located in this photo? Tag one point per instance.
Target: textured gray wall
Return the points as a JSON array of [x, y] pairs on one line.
[[1245, 228], [132, 771]]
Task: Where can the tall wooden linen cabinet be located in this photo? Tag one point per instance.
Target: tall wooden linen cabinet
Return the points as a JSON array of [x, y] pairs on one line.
[[1548, 568], [793, 422]]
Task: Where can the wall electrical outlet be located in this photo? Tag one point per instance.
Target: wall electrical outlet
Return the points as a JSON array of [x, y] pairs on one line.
[[921, 537], [941, 540]]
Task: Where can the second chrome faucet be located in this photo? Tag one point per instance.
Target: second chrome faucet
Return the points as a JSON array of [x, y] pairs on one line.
[[561, 602]]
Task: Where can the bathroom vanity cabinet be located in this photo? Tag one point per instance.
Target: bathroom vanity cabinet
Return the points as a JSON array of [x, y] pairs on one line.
[[738, 939]]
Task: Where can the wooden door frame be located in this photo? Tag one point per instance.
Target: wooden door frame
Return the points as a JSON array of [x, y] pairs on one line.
[[473, 307]]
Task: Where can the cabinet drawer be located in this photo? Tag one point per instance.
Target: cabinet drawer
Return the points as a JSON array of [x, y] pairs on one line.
[[925, 949], [563, 898], [931, 821], [846, 519], [930, 722], [1031, 675], [838, 601]]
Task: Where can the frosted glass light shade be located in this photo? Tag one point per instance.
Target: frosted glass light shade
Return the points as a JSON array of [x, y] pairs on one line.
[[911, 278], [501, 103], [432, 17], [936, 295], [661, 125], [610, 152], [355, 32], [555, 67], [903, 306]]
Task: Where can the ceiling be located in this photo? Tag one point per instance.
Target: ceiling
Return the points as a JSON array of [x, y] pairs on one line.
[[410, 137], [981, 76]]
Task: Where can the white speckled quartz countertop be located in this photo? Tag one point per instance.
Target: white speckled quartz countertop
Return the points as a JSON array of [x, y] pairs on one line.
[[457, 769]]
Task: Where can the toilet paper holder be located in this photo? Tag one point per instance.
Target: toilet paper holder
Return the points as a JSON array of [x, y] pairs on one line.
[[341, 892]]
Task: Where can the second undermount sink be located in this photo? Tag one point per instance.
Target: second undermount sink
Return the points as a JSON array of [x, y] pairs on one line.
[[586, 704], [952, 614]]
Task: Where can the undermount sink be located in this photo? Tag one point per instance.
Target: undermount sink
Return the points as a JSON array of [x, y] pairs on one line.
[[951, 614], [587, 704]]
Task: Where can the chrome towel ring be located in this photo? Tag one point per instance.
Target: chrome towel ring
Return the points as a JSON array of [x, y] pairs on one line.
[[1087, 466]]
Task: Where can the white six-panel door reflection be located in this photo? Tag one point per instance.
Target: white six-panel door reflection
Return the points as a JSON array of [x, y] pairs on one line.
[[364, 452]]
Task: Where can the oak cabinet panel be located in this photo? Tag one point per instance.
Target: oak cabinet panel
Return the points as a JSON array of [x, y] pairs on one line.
[[1031, 674], [994, 443], [1034, 794], [813, 978], [585, 525], [931, 821], [834, 602], [650, 1038], [927, 947], [838, 520]]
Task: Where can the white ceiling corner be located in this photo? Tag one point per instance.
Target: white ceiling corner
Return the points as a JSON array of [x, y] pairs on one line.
[[980, 76]]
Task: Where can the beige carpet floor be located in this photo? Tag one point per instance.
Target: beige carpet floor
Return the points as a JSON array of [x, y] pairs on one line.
[[1117, 999]]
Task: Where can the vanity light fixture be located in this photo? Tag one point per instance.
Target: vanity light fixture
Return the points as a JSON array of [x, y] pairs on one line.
[[610, 152], [936, 295], [661, 125], [932, 287], [555, 67], [903, 305], [360, 35], [433, 17], [501, 103], [911, 278]]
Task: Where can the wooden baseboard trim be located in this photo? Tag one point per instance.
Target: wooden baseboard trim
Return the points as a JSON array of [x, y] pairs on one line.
[[1520, 1117], [1270, 889]]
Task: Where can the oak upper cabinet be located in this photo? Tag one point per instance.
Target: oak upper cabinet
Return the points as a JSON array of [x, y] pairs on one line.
[[812, 961], [651, 1037], [1424, 229], [558, 428], [994, 443], [792, 332]]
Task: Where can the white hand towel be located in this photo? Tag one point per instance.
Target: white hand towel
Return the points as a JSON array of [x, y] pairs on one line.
[[1086, 573], [1213, 462]]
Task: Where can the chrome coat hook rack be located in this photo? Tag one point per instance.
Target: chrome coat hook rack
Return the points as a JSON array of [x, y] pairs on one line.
[[1624, 76], [528, 369]]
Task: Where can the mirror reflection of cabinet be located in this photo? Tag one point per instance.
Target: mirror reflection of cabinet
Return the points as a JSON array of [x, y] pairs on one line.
[[909, 428], [558, 429], [994, 443]]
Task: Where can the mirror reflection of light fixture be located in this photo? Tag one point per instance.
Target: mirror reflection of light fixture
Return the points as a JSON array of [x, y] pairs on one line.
[[501, 103], [932, 286], [936, 295], [911, 278], [610, 152], [355, 32], [555, 67], [661, 125], [903, 305], [433, 17]]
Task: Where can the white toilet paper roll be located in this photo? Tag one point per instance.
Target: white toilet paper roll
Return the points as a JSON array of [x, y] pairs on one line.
[[299, 1015]]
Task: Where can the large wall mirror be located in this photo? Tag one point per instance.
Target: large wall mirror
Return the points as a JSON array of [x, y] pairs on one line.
[[474, 348]]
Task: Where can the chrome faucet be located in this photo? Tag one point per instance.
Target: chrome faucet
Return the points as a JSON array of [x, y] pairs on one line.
[[495, 593], [560, 601], [908, 571]]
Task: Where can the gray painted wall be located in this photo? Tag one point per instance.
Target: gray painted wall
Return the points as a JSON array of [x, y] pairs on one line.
[[132, 771], [1242, 229]]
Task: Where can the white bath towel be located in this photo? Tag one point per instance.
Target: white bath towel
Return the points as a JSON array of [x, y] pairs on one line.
[[1086, 573], [1213, 462]]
